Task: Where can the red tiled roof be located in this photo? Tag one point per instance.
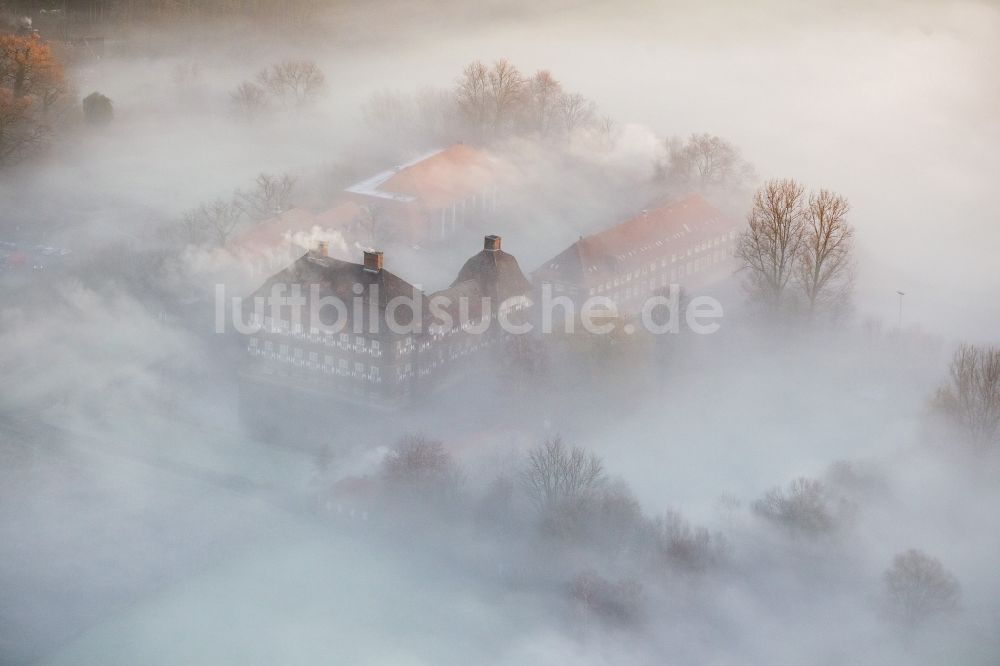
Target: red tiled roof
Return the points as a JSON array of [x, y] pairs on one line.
[[435, 180], [652, 233], [450, 175]]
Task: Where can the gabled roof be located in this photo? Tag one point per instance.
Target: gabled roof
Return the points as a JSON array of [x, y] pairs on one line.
[[652, 233], [489, 273], [335, 277], [375, 186], [435, 179]]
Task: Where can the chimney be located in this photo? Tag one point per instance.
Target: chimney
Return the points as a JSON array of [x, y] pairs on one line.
[[323, 249], [491, 243], [373, 260]]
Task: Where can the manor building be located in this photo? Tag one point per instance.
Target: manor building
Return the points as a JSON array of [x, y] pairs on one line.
[[389, 340], [688, 242], [425, 201]]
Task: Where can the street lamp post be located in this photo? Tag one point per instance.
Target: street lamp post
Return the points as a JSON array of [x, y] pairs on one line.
[[901, 294]]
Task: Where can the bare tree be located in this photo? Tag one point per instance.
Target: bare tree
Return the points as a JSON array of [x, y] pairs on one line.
[[269, 196], [575, 110], [918, 588], [825, 266], [769, 248], [608, 131], [489, 98], [619, 602], [293, 82], [857, 478], [613, 522], [499, 99], [706, 161], [806, 507], [506, 91], [729, 507], [419, 467], [473, 95], [249, 100], [543, 94], [191, 228], [556, 475], [972, 399], [686, 547], [215, 221]]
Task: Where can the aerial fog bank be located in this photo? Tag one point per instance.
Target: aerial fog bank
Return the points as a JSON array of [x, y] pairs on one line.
[[803, 468]]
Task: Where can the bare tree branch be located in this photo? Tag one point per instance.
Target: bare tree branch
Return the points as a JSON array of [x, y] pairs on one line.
[[575, 110], [269, 196], [249, 100], [293, 82], [825, 267], [555, 475], [918, 587], [972, 400], [705, 161], [213, 221], [770, 246]]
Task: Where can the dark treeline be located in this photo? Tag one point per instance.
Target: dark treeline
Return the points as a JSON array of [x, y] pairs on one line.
[[139, 10]]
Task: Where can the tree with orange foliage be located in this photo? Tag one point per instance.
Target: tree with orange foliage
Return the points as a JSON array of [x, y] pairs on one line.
[[31, 81]]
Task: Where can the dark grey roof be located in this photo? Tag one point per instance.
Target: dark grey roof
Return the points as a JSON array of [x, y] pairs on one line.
[[497, 274], [338, 278]]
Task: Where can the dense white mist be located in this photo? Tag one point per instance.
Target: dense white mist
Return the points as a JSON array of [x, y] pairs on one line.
[[141, 522]]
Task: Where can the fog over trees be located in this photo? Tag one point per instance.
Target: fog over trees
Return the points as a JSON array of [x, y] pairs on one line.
[[919, 588], [971, 400], [814, 482], [798, 247]]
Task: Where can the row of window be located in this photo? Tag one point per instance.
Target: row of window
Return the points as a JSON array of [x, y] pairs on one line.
[[687, 269], [646, 287], [300, 357], [358, 343]]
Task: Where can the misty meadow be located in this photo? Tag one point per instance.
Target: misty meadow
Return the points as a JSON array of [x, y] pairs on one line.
[[503, 332]]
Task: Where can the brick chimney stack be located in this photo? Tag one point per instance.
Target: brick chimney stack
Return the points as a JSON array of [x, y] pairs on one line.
[[323, 249], [492, 243], [373, 260]]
